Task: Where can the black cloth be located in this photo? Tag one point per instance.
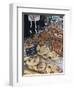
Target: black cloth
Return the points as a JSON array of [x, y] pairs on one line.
[[26, 26]]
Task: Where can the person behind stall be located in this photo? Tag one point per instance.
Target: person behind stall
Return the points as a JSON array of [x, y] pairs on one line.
[[37, 25], [34, 22]]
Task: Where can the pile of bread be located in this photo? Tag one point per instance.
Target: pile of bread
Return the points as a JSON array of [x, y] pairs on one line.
[[55, 37], [37, 65], [45, 52]]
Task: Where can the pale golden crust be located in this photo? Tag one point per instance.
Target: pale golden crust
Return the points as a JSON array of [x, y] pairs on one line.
[[32, 61]]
